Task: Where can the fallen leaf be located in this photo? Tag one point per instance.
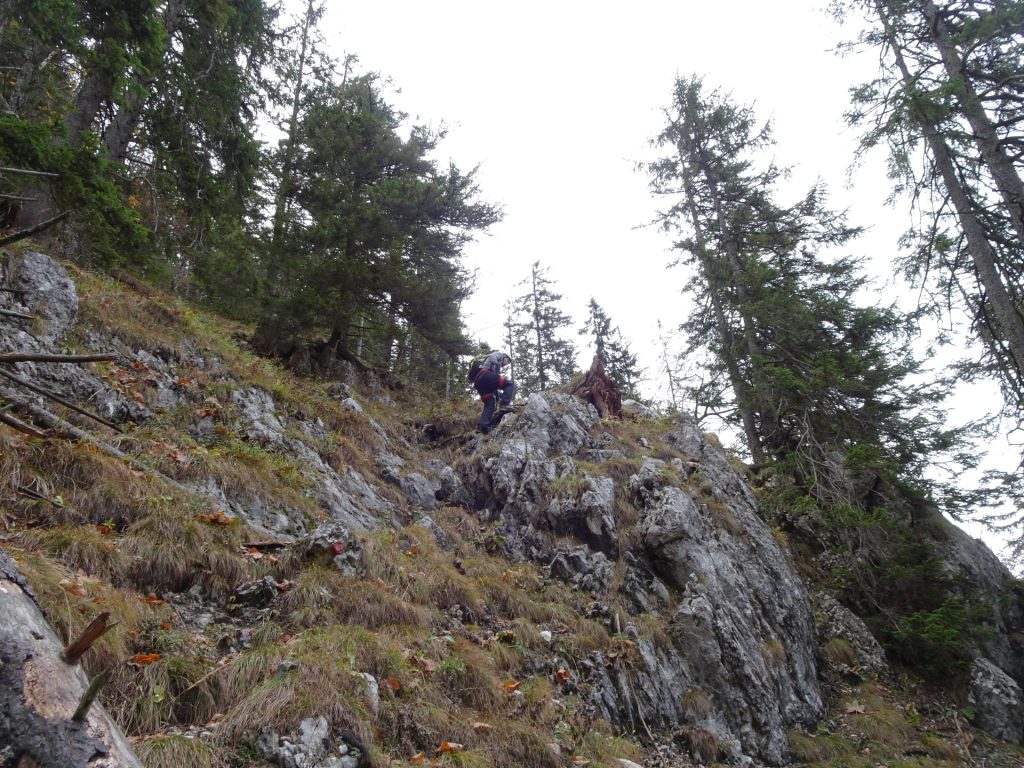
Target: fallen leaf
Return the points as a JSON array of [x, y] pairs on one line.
[[152, 599], [393, 684], [427, 665], [450, 746], [561, 675], [72, 587], [417, 759], [511, 685], [855, 708], [144, 658], [105, 530]]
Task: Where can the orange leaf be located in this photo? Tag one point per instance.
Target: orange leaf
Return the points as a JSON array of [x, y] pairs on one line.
[[562, 675], [393, 684], [450, 746], [417, 759], [145, 658], [511, 685], [105, 530], [154, 600], [72, 587]]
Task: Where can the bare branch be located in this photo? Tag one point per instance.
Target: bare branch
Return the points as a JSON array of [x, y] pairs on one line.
[[21, 234], [57, 398], [19, 315], [31, 357], [20, 426], [27, 172]]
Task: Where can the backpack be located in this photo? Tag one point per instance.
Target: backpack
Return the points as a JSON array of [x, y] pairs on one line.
[[475, 366]]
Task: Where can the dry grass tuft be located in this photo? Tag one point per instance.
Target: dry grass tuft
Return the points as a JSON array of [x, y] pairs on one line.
[[324, 680], [176, 751], [695, 704], [79, 547], [702, 742], [174, 550], [821, 748], [469, 677], [322, 595], [839, 651]]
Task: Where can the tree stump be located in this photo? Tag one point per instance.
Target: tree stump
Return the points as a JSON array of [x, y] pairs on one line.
[[600, 391]]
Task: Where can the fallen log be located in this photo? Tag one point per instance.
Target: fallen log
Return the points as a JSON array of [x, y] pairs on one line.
[[40, 693]]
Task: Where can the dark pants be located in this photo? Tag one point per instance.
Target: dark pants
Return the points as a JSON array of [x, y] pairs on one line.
[[494, 390]]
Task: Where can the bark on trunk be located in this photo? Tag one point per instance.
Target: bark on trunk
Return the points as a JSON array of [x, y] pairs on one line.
[[1010, 324], [1001, 167], [39, 693]]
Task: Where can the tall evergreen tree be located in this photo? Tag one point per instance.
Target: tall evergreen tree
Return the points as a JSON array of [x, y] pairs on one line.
[[619, 362], [812, 375], [947, 103], [546, 358], [376, 230]]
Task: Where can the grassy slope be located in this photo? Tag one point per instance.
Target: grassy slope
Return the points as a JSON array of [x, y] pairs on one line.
[[453, 636]]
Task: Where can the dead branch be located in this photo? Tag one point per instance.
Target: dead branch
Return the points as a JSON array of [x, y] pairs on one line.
[[20, 426], [26, 172], [52, 421], [31, 357], [19, 315], [21, 234], [90, 696], [97, 628], [57, 398], [19, 198]]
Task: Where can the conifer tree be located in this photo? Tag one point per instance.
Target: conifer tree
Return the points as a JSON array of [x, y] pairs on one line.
[[375, 234], [545, 357], [813, 376], [948, 103], [619, 362]]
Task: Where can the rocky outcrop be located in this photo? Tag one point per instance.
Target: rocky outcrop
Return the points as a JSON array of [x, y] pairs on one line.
[[742, 637]]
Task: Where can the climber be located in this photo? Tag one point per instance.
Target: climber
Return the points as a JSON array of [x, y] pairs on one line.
[[489, 382]]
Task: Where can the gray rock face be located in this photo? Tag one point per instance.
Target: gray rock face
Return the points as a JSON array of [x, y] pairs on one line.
[[997, 700], [48, 294], [837, 622], [311, 746], [742, 630]]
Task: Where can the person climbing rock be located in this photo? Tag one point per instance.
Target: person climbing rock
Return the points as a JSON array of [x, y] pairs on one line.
[[496, 390]]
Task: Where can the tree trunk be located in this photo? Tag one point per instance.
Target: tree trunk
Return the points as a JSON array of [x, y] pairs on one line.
[[1006, 315], [40, 692], [1001, 167], [739, 385]]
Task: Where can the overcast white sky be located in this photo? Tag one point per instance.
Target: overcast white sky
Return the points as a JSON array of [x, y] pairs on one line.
[[557, 102]]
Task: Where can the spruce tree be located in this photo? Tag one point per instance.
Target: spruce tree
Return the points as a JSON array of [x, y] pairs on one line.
[[947, 104], [818, 383], [546, 357], [619, 362]]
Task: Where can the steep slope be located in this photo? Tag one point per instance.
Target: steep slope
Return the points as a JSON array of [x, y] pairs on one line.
[[322, 574]]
